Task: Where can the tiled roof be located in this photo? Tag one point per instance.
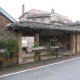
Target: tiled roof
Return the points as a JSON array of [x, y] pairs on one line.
[[74, 24], [65, 17], [38, 15], [46, 26], [35, 11]]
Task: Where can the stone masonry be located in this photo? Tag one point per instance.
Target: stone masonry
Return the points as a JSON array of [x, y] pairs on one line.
[[5, 35]]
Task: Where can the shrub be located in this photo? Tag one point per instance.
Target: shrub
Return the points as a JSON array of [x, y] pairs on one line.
[[12, 45], [2, 44], [47, 45], [6, 53], [36, 45]]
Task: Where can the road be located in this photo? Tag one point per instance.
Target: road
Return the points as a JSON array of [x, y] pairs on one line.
[[66, 70]]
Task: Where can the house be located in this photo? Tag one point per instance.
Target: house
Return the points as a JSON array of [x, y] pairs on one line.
[[5, 34], [36, 15]]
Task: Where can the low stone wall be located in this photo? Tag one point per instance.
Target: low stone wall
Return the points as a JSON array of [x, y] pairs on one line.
[[8, 61]]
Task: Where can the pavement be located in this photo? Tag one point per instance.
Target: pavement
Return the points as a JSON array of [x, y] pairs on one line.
[[17, 68]]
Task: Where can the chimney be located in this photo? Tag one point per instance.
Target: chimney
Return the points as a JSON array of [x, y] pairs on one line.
[[52, 11], [23, 9]]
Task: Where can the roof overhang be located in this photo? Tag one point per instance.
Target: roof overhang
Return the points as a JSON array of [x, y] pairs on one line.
[[36, 26]]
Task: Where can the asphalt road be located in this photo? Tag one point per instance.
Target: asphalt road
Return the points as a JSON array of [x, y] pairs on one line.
[[68, 70]]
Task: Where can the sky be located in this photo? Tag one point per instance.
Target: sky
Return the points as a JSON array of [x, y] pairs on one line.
[[69, 8]]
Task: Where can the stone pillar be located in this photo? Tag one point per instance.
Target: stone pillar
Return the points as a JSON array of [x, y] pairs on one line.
[[36, 40], [73, 43], [20, 48], [37, 56], [78, 43]]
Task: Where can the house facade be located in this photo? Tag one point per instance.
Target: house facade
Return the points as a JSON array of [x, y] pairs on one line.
[[35, 15]]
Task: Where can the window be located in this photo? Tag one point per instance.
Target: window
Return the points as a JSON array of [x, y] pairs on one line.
[[42, 20], [33, 20]]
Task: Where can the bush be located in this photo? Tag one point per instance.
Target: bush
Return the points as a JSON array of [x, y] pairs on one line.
[[2, 44], [36, 45], [6, 53], [47, 45], [12, 45]]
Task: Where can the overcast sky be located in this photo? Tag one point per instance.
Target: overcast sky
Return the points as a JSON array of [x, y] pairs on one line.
[[69, 8]]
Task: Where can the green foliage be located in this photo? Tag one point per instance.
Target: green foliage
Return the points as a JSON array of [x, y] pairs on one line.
[[2, 44], [6, 53], [12, 45], [36, 45], [46, 45], [53, 39]]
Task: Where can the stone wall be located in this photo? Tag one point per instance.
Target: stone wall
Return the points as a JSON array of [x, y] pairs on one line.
[[5, 35]]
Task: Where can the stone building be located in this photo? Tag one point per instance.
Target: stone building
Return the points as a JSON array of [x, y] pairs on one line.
[[5, 34]]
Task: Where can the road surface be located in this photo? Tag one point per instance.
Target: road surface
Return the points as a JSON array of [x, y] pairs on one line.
[[65, 70]]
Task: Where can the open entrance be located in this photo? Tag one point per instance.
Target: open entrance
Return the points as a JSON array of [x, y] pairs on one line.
[[27, 43], [27, 54]]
